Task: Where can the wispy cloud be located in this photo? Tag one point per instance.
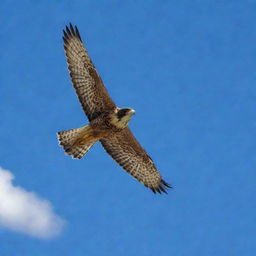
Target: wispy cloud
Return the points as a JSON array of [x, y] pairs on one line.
[[26, 212]]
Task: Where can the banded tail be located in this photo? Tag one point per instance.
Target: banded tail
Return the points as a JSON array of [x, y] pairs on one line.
[[77, 142]]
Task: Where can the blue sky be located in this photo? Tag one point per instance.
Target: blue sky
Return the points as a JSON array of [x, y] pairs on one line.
[[188, 69]]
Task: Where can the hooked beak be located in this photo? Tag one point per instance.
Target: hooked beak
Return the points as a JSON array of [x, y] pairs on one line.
[[132, 112]]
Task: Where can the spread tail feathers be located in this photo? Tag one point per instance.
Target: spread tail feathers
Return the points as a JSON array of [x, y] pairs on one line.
[[77, 142]]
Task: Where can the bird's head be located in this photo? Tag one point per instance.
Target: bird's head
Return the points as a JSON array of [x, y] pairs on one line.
[[122, 116]]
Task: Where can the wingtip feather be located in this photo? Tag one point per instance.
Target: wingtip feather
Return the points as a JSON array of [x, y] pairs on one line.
[[162, 187], [71, 31]]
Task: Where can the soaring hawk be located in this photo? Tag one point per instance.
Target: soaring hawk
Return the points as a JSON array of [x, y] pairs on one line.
[[108, 123]]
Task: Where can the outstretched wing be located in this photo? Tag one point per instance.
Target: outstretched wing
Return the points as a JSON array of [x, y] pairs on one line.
[[89, 87], [127, 152]]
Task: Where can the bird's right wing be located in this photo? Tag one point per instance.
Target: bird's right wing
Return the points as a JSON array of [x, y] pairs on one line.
[[89, 87], [127, 152]]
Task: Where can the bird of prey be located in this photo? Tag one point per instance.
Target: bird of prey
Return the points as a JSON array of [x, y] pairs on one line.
[[107, 122]]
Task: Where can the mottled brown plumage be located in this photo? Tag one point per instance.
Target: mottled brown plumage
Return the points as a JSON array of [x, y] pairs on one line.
[[86, 81], [128, 153], [108, 123]]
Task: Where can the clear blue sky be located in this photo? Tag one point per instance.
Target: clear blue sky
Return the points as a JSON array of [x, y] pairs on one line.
[[188, 68]]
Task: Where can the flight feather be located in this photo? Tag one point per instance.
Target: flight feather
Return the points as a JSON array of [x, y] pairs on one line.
[[89, 87]]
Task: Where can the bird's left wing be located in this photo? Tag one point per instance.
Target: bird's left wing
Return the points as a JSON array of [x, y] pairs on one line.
[[127, 152], [89, 87]]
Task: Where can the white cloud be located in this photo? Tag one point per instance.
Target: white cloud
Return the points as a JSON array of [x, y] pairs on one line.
[[24, 211]]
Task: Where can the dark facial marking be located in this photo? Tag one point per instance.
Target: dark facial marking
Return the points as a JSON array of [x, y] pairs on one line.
[[122, 112]]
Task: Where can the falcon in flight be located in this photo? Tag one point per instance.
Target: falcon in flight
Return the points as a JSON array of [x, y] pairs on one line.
[[107, 122]]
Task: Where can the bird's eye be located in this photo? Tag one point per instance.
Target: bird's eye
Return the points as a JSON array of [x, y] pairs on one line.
[[121, 113]]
